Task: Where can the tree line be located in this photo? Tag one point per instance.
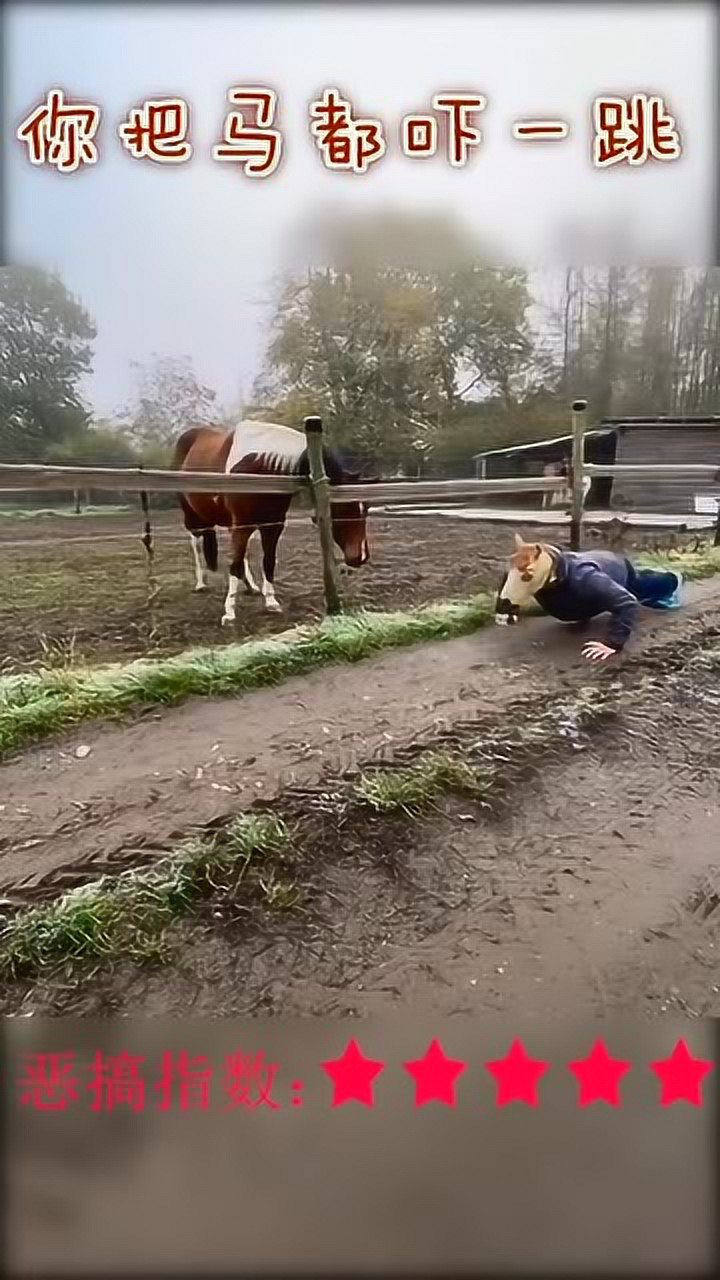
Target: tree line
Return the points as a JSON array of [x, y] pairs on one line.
[[416, 352]]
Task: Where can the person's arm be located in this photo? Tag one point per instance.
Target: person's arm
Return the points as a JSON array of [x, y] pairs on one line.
[[607, 596]]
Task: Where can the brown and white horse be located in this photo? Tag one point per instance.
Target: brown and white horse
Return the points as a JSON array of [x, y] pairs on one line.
[[257, 448]]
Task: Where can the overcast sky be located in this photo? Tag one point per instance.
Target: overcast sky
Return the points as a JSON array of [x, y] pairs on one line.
[[177, 260]]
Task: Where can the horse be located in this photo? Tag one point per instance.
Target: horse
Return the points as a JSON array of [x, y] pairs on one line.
[[257, 448]]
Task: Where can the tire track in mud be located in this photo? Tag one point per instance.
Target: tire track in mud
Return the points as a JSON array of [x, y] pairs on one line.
[[591, 880]]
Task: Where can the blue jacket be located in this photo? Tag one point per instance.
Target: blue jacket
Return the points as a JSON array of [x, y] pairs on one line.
[[588, 583]]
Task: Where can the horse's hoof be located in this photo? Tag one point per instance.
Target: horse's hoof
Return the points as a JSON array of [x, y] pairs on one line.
[[272, 606], [200, 589], [226, 620]]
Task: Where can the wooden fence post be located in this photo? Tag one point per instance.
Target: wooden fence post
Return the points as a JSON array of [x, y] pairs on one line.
[[320, 487], [577, 472]]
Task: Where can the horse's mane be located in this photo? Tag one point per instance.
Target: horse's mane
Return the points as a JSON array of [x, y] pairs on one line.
[[334, 469]]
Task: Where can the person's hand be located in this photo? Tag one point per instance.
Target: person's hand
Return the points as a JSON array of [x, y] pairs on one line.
[[594, 651]]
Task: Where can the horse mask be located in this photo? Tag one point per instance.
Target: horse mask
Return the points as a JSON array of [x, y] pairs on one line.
[[531, 568]]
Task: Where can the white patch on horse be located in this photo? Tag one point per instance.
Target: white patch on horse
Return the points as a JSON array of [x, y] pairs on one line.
[[251, 585], [200, 574], [272, 604], [229, 614], [279, 447]]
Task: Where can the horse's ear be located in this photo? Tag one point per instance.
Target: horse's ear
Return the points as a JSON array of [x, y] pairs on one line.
[[519, 544]]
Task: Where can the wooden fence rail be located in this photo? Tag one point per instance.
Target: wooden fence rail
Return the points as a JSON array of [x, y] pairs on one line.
[[15, 478], [655, 471], [18, 479]]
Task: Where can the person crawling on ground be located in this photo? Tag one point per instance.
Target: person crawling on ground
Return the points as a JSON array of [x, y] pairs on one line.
[[575, 586]]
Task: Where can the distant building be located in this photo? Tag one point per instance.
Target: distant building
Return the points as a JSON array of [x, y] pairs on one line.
[[622, 440]]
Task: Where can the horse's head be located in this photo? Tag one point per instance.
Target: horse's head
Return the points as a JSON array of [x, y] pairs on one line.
[[531, 565], [349, 519], [349, 526]]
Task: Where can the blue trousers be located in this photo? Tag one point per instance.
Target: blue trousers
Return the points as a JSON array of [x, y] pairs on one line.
[[652, 587]]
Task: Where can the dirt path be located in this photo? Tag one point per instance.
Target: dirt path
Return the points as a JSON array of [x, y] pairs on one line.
[[142, 784], [597, 890]]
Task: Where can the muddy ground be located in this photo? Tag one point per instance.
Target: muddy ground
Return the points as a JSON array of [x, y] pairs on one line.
[[594, 884], [77, 589]]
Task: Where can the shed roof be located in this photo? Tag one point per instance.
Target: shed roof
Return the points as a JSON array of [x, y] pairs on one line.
[[606, 428], [540, 444]]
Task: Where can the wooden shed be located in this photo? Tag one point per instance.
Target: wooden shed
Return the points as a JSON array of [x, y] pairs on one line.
[[649, 440], [666, 440], [531, 460]]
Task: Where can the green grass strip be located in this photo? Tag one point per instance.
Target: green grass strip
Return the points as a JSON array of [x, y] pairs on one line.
[[39, 704], [127, 917], [694, 565]]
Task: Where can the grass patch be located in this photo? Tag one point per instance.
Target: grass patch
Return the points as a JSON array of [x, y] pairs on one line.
[[412, 789], [35, 705], [480, 768], [128, 916], [694, 564]]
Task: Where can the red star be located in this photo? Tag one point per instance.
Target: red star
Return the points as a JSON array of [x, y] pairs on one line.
[[435, 1076], [599, 1076], [518, 1076], [352, 1076], [681, 1076]]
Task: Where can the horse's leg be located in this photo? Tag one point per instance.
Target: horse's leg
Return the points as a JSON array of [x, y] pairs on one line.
[[194, 530], [251, 585], [240, 537], [270, 534], [200, 570]]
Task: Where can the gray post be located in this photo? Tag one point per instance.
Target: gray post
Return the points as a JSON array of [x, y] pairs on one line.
[[577, 473], [320, 487]]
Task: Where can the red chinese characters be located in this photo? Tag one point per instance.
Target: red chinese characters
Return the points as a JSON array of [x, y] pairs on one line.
[[633, 130], [540, 130], [158, 130], [249, 1081], [186, 1080], [60, 133], [256, 148], [345, 143], [419, 133], [116, 1081], [49, 1082]]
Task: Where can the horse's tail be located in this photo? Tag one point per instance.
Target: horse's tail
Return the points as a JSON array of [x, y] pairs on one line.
[[184, 445], [210, 549]]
